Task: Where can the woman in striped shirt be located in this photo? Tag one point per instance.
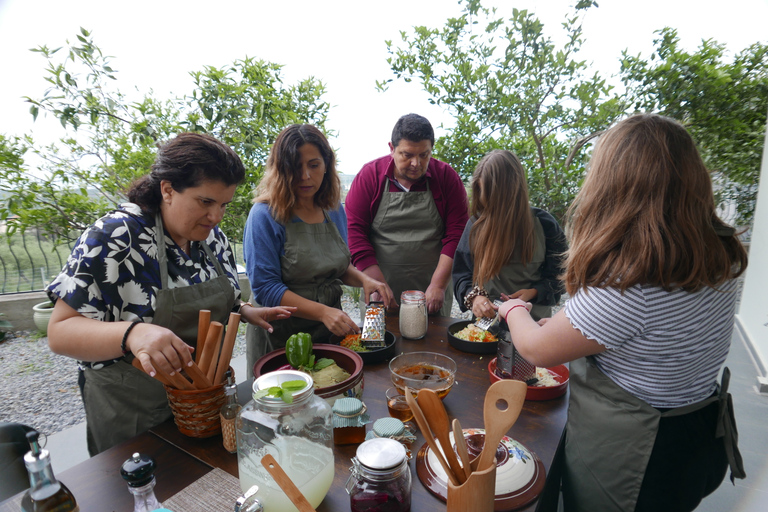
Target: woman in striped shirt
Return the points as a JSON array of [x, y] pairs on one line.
[[651, 272]]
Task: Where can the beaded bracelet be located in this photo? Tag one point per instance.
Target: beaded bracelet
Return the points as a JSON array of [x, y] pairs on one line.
[[513, 307], [123, 348], [476, 290]]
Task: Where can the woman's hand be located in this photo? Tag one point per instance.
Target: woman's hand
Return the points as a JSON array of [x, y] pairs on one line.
[[262, 316], [338, 322], [379, 289], [483, 307], [156, 346], [511, 304], [526, 294]]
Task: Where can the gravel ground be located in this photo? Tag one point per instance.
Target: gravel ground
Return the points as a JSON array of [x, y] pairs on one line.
[[39, 388]]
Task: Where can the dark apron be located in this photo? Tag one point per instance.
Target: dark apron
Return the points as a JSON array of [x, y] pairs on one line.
[[407, 236], [122, 401], [315, 257], [515, 276], [605, 467]]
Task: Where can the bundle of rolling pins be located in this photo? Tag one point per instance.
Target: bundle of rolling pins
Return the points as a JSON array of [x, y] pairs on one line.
[[212, 355]]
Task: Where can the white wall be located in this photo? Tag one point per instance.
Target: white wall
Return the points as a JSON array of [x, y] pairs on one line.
[[752, 317]]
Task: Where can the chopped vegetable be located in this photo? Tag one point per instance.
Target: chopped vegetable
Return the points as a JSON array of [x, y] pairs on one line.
[[353, 342]]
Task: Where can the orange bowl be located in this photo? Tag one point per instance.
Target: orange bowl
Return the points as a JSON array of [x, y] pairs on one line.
[[560, 373]]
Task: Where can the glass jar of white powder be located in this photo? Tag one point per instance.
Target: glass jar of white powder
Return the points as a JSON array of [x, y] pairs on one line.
[[413, 314]]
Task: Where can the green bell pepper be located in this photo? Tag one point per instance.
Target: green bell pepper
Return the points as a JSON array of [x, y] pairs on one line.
[[298, 350]]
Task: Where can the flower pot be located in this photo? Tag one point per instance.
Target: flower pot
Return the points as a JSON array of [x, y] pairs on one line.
[[41, 314]]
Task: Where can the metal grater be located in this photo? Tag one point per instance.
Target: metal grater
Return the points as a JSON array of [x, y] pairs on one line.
[[374, 326], [486, 323]]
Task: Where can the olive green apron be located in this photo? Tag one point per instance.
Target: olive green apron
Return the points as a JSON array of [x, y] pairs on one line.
[[315, 257], [407, 236], [604, 467], [122, 401], [515, 276]]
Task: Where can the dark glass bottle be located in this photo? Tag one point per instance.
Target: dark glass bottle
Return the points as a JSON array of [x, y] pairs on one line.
[[45, 493]]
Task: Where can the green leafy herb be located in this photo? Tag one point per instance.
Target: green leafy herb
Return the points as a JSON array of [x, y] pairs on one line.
[[284, 391]]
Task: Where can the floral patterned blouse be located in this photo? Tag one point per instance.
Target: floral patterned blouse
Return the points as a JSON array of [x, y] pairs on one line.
[[113, 272]]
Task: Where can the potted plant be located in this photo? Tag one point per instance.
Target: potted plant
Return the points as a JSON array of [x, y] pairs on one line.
[[41, 314]]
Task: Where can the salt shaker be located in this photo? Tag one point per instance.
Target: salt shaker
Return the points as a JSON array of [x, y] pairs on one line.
[[413, 314]]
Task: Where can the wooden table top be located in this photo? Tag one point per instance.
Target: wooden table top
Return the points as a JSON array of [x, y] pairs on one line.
[[98, 487]]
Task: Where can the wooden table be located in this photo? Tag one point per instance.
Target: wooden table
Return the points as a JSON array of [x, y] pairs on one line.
[[181, 460]]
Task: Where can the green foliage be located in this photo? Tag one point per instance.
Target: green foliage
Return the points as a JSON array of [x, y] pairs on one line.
[[110, 141], [509, 86], [722, 102]]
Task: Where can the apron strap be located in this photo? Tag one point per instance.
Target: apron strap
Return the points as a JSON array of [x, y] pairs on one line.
[[726, 423]]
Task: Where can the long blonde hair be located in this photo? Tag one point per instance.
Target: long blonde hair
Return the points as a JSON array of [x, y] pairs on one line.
[[283, 167], [646, 214], [503, 220]]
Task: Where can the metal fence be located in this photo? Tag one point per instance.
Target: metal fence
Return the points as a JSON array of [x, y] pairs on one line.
[[29, 262]]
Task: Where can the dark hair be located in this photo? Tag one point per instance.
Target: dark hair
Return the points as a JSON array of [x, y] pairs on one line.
[[186, 161], [646, 214], [284, 167], [414, 128]]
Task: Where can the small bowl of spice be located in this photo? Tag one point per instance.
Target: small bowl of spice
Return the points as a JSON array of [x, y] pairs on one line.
[[418, 370]]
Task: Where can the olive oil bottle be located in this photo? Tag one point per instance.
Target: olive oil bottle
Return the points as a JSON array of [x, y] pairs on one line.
[[45, 493]]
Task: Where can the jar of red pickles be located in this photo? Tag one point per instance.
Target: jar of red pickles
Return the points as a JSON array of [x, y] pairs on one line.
[[380, 478]]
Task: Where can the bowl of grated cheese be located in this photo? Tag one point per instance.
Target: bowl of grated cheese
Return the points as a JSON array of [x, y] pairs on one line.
[[552, 382], [465, 336]]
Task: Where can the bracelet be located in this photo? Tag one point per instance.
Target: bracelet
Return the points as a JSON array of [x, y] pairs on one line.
[[240, 311], [513, 307], [476, 290], [123, 348]]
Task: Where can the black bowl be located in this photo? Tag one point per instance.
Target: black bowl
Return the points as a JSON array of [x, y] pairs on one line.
[[374, 355], [473, 347]]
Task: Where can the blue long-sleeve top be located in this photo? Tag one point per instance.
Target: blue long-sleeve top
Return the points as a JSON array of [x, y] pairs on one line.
[[264, 246]]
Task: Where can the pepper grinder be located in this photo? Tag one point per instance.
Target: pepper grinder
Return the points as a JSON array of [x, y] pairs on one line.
[[139, 472]]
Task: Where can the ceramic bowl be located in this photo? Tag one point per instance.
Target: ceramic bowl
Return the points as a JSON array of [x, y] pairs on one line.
[[419, 370], [345, 358], [560, 373], [473, 347]]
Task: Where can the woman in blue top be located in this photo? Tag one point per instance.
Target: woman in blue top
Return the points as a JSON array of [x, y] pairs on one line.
[[295, 245]]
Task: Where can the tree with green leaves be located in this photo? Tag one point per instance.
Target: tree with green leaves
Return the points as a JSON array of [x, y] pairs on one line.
[[508, 85], [110, 141], [722, 102]]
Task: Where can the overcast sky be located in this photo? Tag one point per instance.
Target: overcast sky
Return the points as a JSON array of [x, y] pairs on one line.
[[155, 44]]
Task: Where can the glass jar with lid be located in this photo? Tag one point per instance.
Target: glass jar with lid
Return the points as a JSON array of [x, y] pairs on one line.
[[293, 425], [380, 477], [413, 314]]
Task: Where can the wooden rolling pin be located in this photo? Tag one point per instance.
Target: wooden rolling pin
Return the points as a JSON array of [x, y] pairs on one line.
[[204, 320], [211, 349], [226, 349]]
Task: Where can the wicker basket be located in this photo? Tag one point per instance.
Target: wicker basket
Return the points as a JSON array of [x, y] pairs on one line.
[[196, 412]]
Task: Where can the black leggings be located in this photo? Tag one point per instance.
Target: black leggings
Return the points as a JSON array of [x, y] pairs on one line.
[[687, 463]]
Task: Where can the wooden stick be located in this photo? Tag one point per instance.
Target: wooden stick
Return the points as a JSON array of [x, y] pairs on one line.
[[177, 380], [211, 350], [159, 376], [198, 377], [203, 322], [227, 348]]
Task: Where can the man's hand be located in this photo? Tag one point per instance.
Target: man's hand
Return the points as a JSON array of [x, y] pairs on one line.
[[435, 298]]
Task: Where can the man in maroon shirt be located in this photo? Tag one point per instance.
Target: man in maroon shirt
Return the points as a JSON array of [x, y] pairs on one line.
[[405, 215]]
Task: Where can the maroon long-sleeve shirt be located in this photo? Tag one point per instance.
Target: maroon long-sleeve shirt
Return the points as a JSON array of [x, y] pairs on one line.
[[365, 194]]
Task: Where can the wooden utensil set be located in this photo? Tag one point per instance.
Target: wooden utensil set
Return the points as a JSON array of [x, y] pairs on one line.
[[212, 355], [471, 484]]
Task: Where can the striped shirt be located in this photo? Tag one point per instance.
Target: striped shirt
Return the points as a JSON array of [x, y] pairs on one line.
[[664, 347]]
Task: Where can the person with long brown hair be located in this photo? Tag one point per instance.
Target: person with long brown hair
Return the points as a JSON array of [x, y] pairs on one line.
[[295, 243], [652, 273], [508, 249]]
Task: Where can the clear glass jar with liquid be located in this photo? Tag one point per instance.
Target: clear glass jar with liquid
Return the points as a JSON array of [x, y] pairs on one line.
[[380, 479], [299, 435]]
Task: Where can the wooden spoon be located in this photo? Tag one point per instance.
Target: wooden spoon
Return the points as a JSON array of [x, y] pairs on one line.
[[434, 412], [421, 421], [510, 395], [286, 484], [461, 447]]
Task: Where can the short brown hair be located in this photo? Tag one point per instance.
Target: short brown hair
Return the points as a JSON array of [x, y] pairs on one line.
[[646, 214], [504, 222], [277, 186]]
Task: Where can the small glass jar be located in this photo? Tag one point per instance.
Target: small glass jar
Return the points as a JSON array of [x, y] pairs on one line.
[[349, 420], [393, 428], [380, 478], [413, 314], [299, 435]]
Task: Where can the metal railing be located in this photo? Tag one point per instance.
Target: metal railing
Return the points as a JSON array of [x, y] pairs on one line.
[[30, 261]]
